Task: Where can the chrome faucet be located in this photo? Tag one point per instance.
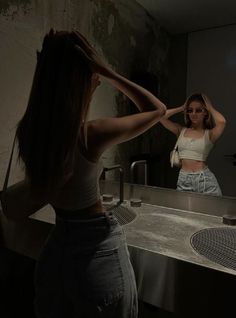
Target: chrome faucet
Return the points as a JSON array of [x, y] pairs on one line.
[[105, 169], [138, 162]]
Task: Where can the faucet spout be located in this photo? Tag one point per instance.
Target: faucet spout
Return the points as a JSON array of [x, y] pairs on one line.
[[139, 162]]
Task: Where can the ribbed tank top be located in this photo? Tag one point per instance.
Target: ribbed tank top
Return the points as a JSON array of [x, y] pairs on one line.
[[82, 189], [194, 148]]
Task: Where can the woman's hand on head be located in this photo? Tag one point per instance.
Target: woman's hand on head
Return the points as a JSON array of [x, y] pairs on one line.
[[207, 101], [88, 52], [183, 107]]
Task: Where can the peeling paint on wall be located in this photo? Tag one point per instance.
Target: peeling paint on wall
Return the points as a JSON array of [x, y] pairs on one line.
[[127, 36], [102, 31], [111, 22], [11, 7], [132, 41]]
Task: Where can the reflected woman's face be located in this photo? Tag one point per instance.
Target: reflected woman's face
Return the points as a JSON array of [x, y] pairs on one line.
[[196, 112]]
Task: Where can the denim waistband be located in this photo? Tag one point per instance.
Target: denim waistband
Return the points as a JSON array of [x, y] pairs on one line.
[[87, 232], [184, 172], [98, 221]]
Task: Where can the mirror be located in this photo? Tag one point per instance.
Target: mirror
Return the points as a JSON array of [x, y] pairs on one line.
[[202, 59], [193, 50]]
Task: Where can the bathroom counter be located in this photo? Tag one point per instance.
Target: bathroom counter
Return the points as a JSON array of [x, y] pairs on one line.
[[163, 230], [170, 274], [165, 264], [167, 231]]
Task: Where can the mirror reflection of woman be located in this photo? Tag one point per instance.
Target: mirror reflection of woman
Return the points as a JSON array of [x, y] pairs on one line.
[[203, 127]]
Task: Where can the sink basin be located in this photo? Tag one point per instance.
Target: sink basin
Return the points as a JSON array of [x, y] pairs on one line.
[[123, 213], [217, 244]]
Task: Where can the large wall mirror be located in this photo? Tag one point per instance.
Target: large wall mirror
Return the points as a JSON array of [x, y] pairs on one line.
[[202, 59], [174, 48]]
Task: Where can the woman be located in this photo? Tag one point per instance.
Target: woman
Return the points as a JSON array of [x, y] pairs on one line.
[[195, 141], [84, 269]]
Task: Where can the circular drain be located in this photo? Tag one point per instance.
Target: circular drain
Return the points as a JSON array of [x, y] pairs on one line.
[[217, 244]]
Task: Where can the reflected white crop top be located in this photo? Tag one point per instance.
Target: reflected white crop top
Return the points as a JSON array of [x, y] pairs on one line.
[[194, 148], [82, 189]]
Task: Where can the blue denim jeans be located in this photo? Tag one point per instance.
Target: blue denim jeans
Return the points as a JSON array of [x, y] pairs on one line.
[[84, 271], [203, 181]]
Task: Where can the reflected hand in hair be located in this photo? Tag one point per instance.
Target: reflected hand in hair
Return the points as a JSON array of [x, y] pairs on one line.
[[184, 106], [207, 101]]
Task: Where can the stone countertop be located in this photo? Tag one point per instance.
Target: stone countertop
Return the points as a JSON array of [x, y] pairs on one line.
[[163, 230], [167, 231]]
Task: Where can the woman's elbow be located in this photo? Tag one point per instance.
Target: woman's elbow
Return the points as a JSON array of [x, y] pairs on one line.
[[223, 122], [163, 110]]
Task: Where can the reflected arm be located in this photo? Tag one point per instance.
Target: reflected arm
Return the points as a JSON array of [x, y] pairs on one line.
[[220, 121], [170, 125]]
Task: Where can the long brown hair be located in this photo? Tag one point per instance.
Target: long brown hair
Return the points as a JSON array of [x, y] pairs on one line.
[[208, 122], [50, 129]]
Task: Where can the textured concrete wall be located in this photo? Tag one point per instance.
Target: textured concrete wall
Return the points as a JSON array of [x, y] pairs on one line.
[[123, 32]]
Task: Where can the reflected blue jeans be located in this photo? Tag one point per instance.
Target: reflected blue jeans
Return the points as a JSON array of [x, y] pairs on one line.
[[203, 181], [84, 271]]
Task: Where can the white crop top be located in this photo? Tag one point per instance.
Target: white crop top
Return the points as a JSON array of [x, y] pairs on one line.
[[194, 148], [82, 189]]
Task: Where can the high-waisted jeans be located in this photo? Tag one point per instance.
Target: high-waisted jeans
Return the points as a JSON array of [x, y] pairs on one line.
[[84, 271], [203, 181]]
